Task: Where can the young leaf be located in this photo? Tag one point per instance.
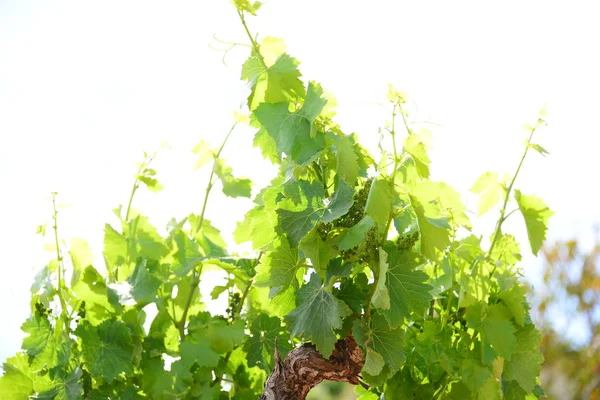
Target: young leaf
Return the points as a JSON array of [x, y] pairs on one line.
[[536, 215], [415, 147], [232, 187], [490, 191]]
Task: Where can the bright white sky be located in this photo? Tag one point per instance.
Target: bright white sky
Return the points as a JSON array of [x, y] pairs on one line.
[[85, 87]]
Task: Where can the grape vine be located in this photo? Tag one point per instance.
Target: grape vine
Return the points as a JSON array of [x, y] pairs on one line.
[[366, 271]]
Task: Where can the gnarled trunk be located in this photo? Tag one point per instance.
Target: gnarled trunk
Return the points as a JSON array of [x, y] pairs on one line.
[[304, 368]]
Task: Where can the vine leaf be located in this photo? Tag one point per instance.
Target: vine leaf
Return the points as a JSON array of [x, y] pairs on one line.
[[536, 215], [348, 166], [494, 323], [490, 191], [17, 382], [277, 269], [107, 349], [415, 147], [342, 200], [300, 211], [246, 5], [378, 335], [260, 346], [381, 295], [232, 186], [379, 203], [292, 131], [525, 365], [406, 286], [318, 313], [515, 301], [278, 83], [356, 234]]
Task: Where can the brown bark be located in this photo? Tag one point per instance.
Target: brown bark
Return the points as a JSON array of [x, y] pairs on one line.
[[304, 368]]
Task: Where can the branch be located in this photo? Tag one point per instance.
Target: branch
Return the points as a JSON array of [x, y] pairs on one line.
[[304, 368]]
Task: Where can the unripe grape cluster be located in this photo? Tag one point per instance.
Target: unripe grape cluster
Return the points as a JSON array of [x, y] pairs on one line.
[[406, 242], [357, 211], [369, 249]]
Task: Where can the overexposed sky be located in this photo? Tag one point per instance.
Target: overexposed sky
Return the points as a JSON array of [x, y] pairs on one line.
[[86, 87]]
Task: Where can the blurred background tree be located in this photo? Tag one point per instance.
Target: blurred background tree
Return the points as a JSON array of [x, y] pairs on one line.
[[566, 308]]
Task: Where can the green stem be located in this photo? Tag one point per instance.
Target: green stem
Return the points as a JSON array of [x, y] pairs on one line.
[[503, 215], [61, 271], [196, 275], [255, 46]]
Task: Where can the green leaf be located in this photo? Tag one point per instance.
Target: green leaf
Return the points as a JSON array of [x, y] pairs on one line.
[[292, 130], [223, 337], [17, 382], [107, 349], [246, 5], [302, 208], [494, 322], [198, 350], [64, 386], [474, 374], [536, 215], [538, 148], [415, 147], [81, 257], [151, 183], [515, 301], [280, 82], [490, 191], [317, 315], [207, 236], [317, 250], [355, 235], [373, 362], [204, 152], [157, 382], [258, 226], [232, 187], [144, 283], [434, 234], [40, 333], [348, 167], [115, 248], [386, 341], [100, 300], [406, 286], [278, 268], [379, 203], [260, 345], [342, 200], [381, 296], [524, 367]]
